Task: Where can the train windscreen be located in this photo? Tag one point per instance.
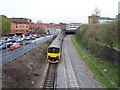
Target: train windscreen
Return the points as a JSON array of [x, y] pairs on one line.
[[53, 50]]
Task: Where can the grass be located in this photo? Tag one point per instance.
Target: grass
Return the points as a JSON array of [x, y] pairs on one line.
[[108, 68], [117, 46]]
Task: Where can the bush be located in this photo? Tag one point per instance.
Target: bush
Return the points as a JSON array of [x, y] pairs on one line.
[[99, 39]]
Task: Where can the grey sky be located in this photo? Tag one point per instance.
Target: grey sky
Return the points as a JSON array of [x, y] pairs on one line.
[[58, 10]]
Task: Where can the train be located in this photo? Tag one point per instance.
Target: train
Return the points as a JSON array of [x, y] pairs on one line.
[[54, 49]]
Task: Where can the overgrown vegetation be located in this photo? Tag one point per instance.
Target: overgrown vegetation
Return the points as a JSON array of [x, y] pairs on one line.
[[100, 40], [108, 68]]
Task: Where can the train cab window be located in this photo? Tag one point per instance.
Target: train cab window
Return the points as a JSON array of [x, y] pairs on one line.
[[56, 50], [53, 50]]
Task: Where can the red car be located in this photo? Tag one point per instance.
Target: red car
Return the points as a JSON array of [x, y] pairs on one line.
[[33, 38], [14, 47]]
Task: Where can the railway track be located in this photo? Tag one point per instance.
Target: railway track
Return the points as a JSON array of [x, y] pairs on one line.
[[50, 79]]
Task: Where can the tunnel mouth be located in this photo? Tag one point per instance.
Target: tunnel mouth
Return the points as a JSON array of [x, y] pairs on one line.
[[69, 33]]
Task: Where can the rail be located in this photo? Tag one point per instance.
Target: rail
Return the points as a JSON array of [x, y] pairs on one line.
[[50, 79]]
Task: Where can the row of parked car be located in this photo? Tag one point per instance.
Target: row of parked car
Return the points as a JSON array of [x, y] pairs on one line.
[[15, 42]]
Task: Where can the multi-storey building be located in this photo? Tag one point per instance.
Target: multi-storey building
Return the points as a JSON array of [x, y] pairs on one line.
[[32, 27], [73, 26], [20, 26], [97, 19]]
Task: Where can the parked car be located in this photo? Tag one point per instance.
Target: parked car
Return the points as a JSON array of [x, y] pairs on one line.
[[28, 42], [15, 46], [36, 35], [11, 40], [27, 38], [42, 35], [9, 43], [19, 42], [33, 38], [4, 38], [3, 45]]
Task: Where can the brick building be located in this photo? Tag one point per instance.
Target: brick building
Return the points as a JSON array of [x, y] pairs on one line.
[[97, 19], [53, 28], [93, 19], [20, 26], [32, 26]]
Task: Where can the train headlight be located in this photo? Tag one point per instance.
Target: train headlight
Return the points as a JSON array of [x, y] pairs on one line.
[[57, 57]]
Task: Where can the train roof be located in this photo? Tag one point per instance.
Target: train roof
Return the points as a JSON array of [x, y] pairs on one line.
[[57, 42]]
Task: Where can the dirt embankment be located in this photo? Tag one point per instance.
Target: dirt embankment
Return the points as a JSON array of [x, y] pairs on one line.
[[26, 70]]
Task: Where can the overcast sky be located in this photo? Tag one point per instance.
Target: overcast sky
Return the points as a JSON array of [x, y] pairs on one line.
[[58, 10]]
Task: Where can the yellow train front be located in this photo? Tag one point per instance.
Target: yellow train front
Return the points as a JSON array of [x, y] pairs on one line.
[[54, 50], [53, 54]]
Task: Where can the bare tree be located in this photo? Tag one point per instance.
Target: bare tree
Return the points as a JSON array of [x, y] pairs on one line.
[[39, 21], [96, 12]]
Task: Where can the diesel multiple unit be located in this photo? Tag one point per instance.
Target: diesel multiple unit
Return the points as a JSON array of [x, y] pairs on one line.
[[54, 50]]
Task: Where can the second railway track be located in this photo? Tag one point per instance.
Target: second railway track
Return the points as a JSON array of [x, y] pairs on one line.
[[50, 79]]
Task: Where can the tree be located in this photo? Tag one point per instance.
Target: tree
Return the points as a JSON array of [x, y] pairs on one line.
[[108, 34], [96, 12], [39, 21], [95, 16], [5, 26], [40, 30]]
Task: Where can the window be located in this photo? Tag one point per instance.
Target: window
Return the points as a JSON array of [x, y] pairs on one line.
[[53, 50]]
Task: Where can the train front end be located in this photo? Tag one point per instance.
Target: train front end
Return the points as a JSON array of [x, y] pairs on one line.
[[53, 55]]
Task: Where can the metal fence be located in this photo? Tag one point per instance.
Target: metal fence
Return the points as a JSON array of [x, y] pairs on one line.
[[12, 55]]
